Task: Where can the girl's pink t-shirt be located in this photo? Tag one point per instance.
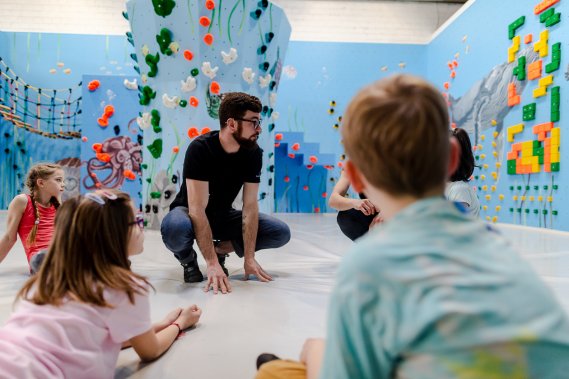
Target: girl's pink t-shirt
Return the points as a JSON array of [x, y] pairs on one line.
[[45, 227], [74, 340]]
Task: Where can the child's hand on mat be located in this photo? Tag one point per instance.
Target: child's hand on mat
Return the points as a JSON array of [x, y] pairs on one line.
[[171, 317], [189, 316], [217, 279], [253, 268]]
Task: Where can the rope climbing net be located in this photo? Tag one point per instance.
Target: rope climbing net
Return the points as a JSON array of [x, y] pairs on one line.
[[52, 113]]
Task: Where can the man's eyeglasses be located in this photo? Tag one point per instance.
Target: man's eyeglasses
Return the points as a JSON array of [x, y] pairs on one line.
[[256, 122], [138, 220]]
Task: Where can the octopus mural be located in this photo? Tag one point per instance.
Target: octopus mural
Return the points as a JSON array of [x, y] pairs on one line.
[[117, 159]]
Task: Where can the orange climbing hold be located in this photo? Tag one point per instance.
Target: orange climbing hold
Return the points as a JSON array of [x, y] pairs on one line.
[[214, 87], [209, 4], [208, 39], [103, 121], [193, 132], [286, 179], [205, 130], [129, 174], [194, 102], [93, 85], [453, 74], [291, 156], [103, 157], [296, 146], [84, 139], [188, 55], [278, 137], [309, 166], [176, 149], [205, 21], [109, 111], [97, 147], [446, 85], [313, 159]]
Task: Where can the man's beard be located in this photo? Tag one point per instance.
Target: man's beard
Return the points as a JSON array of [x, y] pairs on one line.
[[243, 142]]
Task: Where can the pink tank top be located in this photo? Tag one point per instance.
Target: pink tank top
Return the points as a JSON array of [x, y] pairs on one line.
[[44, 231]]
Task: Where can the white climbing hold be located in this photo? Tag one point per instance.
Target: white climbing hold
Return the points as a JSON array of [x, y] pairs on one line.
[[145, 50], [275, 115], [230, 57], [130, 85], [144, 121], [170, 102], [189, 84], [264, 80], [248, 75], [209, 71], [273, 99]]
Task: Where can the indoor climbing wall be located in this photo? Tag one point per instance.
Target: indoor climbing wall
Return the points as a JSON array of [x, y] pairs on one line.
[[513, 113], [111, 143], [187, 54], [318, 81]]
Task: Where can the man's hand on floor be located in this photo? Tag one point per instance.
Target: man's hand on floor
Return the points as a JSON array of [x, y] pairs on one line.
[[253, 268], [216, 279]]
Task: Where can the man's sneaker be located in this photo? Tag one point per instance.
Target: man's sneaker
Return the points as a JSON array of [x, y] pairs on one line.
[[192, 273], [221, 260]]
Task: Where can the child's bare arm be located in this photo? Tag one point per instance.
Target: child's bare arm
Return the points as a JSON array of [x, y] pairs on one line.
[[151, 345], [15, 212]]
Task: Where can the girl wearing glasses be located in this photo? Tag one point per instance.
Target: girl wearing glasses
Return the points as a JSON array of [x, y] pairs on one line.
[[74, 315]]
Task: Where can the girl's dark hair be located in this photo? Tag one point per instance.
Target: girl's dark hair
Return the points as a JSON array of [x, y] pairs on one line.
[[466, 164]]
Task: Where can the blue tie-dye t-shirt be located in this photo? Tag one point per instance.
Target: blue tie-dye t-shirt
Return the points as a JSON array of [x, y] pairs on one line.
[[435, 294]]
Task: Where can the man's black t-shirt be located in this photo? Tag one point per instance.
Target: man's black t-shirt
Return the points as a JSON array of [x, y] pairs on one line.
[[207, 161]]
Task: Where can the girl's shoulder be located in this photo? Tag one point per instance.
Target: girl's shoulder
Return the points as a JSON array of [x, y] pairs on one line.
[[20, 202]]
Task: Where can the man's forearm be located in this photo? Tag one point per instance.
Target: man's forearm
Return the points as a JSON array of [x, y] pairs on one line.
[[203, 236], [250, 228]]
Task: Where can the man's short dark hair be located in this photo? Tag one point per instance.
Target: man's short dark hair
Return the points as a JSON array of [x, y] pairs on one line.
[[235, 105]]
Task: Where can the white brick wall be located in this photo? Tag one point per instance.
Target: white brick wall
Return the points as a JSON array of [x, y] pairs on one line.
[[341, 21]]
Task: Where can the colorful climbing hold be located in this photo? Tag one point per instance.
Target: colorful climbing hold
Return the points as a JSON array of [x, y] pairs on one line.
[[313, 159], [278, 137], [286, 179], [209, 4], [163, 7], [195, 72], [214, 87], [164, 40], [295, 146], [193, 132], [84, 139], [194, 102], [208, 39], [205, 130], [188, 55], [93, 85], [205, 21], [175, 149], [128, 174]]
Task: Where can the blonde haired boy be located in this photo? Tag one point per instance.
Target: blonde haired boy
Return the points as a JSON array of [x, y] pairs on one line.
[[432, 293]]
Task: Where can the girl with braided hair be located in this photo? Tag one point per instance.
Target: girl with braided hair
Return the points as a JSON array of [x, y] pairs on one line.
[[32, 216]]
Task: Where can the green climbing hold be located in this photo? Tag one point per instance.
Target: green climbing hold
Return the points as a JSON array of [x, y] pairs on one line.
[[146, 95], [164, 40], [144, 166], [163, 7], [195, 72], [155, 195], [152, 62], [155, 148], [183, 103], [155, 121], [125, 15], [148, 180]]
